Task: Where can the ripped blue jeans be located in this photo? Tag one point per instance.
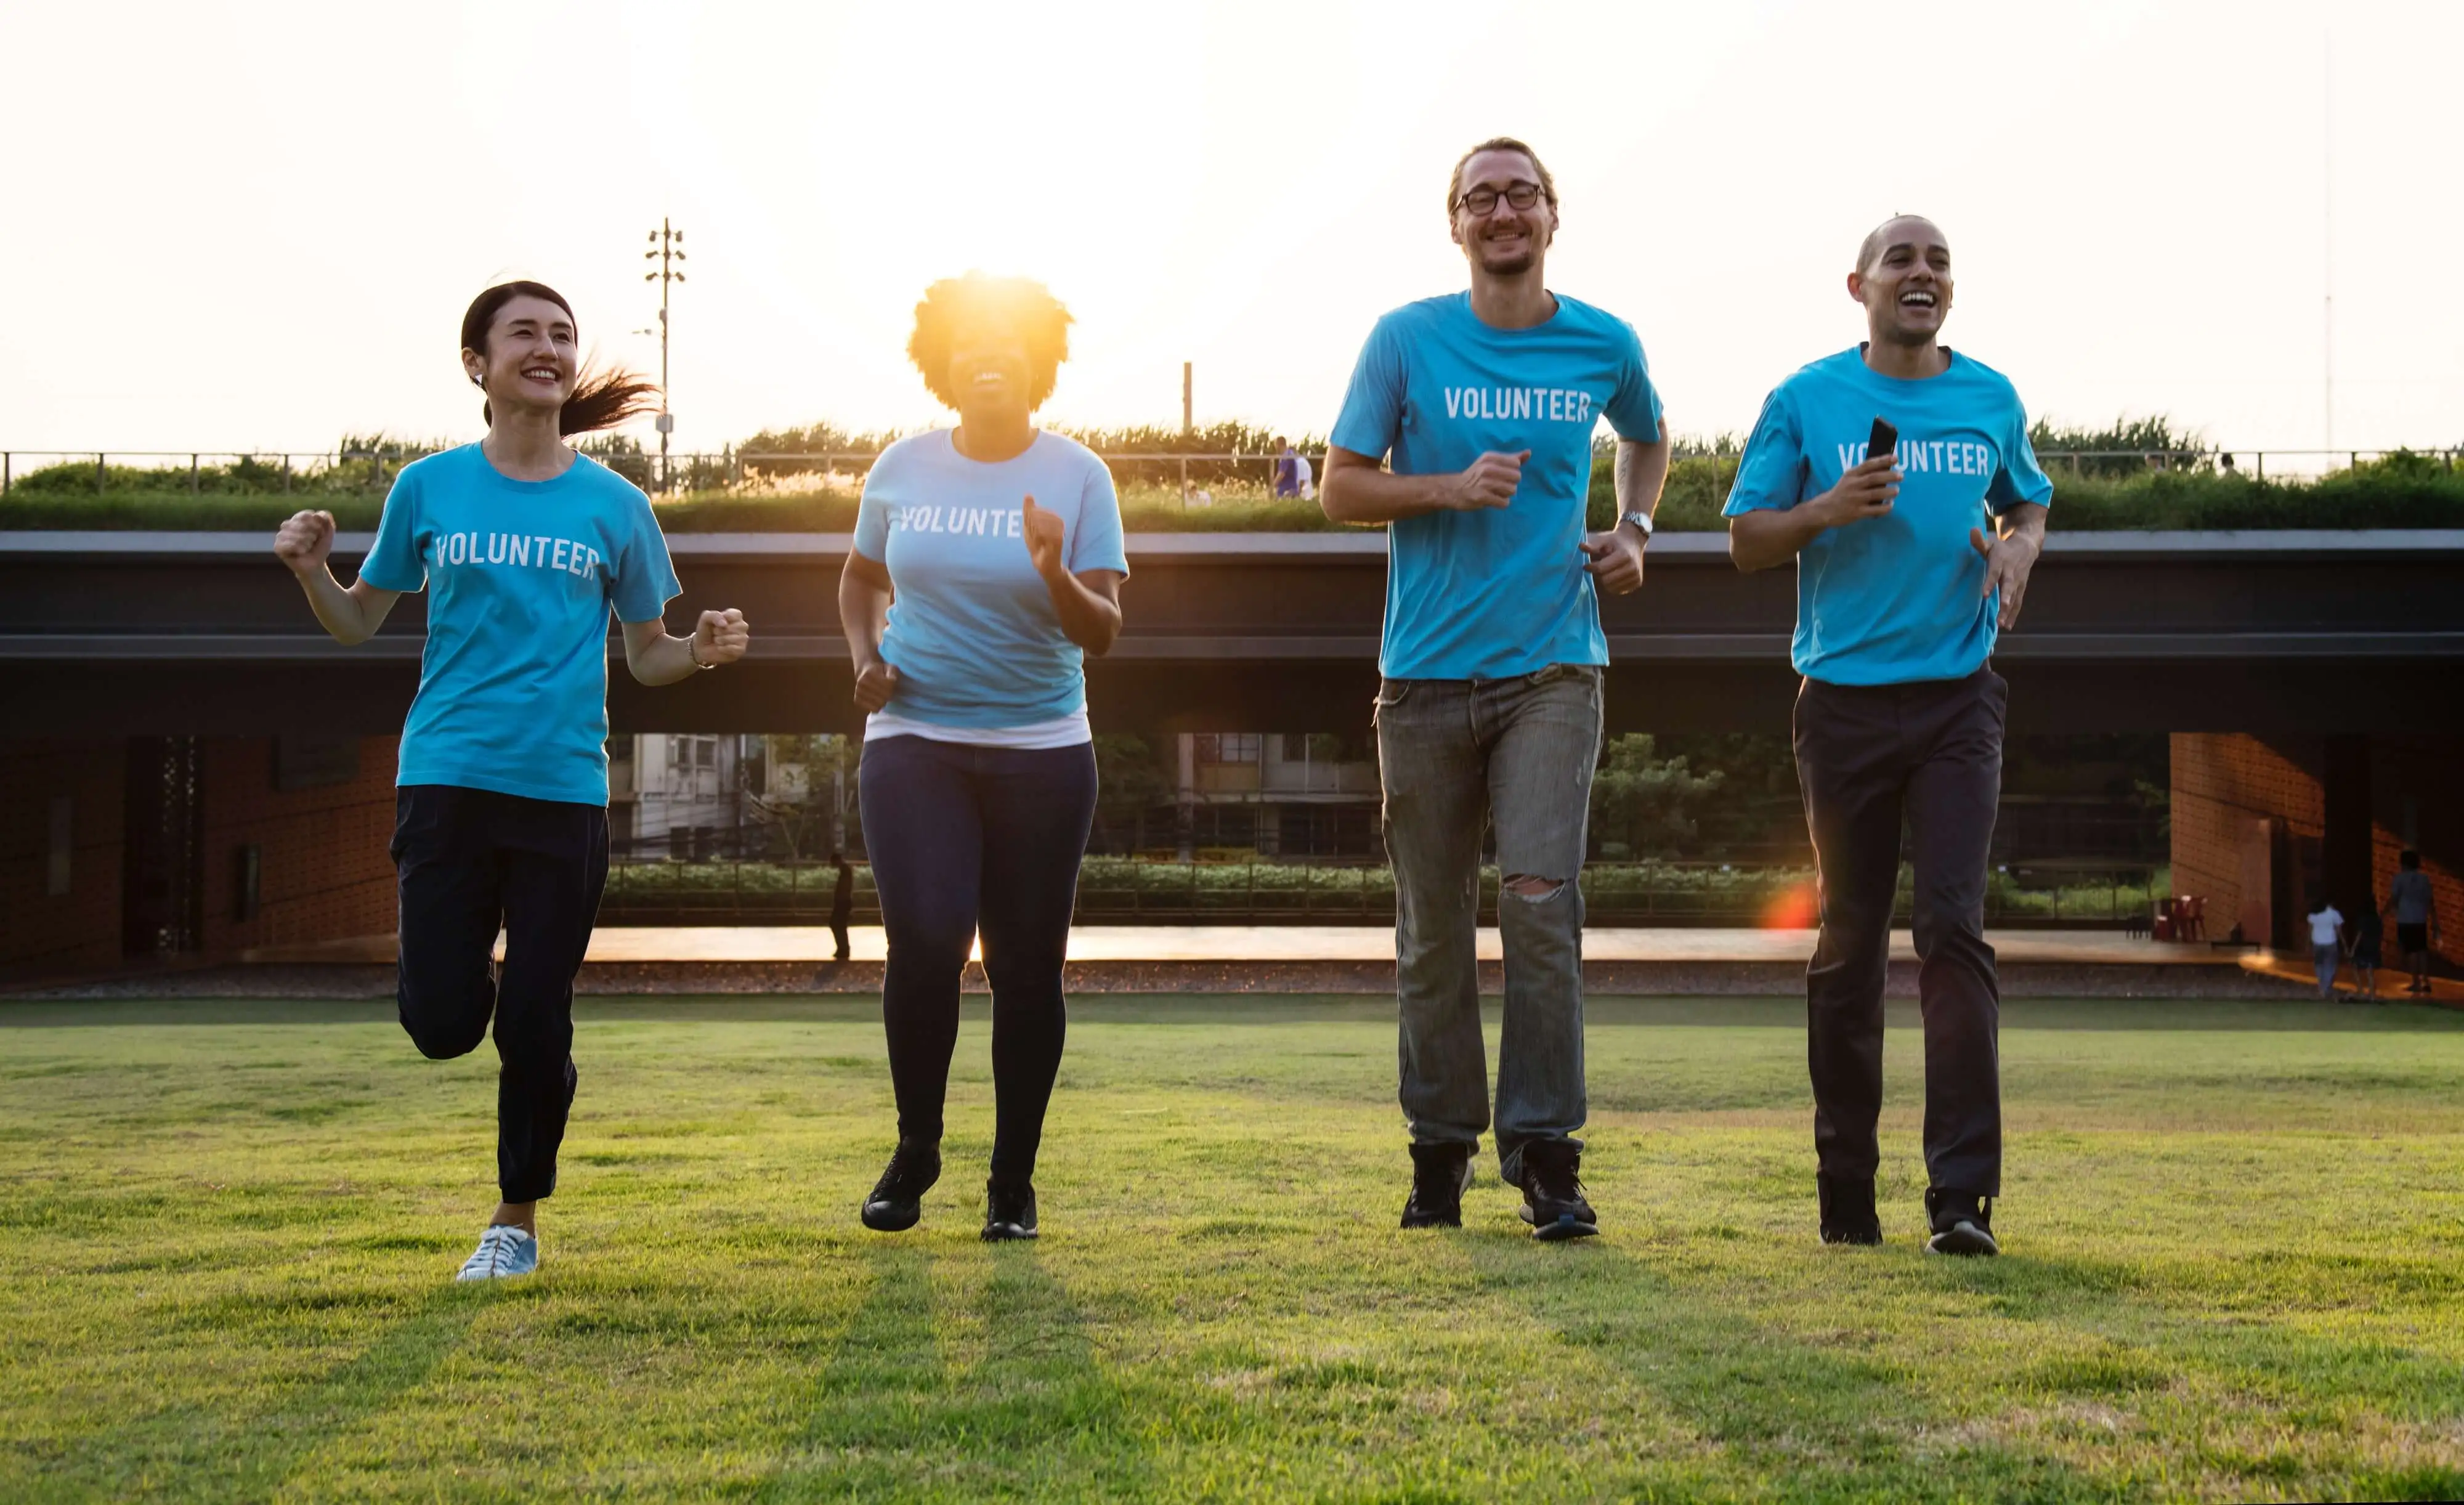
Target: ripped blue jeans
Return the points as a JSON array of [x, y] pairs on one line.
[[1453, 755]]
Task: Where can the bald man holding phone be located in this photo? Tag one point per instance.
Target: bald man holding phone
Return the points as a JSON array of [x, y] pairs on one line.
[[1899, 478]]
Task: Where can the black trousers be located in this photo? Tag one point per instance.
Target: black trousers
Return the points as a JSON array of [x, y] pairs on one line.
[[1869, 756], [967, 842], [471, 861]]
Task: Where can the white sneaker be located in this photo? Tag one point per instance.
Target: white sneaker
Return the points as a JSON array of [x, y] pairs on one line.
[[503, 1251]]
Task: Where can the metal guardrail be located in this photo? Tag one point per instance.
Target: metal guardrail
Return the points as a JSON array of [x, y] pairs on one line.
[[293, 466]]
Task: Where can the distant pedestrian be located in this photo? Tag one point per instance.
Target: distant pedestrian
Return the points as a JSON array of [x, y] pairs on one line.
[[1910, 561], [1489, 706], [986, 565], [2326, 942], [842, 903], [2362, 949], [1287, 470], [1304, 478], [526, 547], [2413, 906]]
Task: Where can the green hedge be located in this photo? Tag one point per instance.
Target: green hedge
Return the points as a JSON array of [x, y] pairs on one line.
[[1121, 888], [2402, 491]]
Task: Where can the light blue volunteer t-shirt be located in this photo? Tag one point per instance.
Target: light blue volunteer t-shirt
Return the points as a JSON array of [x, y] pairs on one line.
[[972, 630], [520, 577], [1894, 598], [1503, 591]]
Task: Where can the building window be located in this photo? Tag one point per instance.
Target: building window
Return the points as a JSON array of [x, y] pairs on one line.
[[1227, 747]]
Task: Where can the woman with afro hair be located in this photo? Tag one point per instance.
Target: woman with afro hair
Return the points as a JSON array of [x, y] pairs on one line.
[[987, 563]]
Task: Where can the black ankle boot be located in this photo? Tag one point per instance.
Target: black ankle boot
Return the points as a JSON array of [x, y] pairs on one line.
[[1848, 1215], [898, 1198]]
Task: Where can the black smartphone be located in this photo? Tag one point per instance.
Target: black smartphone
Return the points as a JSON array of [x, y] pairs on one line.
[[1884, 440]]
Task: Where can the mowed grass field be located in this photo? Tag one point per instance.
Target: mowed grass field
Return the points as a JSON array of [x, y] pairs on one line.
[[227, 1232]]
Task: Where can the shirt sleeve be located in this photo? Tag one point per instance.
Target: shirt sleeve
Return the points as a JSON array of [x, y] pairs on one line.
[[1771, 474], [1372, 416], [1099, 543], [2019, 479], [1634, 407], [645, 578], [395, 561], [873, 521]]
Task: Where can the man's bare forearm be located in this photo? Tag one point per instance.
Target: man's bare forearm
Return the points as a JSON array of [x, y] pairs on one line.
[[1769, 537], [1366, 494], [1641, 475], [2025, 520]]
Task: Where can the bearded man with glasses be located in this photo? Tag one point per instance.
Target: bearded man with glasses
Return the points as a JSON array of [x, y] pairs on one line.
[[1489, 709]]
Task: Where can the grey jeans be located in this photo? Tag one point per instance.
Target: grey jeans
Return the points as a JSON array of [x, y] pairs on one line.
[[1453, 754]]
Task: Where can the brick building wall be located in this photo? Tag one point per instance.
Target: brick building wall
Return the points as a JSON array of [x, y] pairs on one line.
[[321, 869], [2225, 783], [43, 932]]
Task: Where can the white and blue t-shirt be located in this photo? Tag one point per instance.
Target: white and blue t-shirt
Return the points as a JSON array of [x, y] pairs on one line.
[[1894, 598], [972, 629], [520, 578], [1502, 591]]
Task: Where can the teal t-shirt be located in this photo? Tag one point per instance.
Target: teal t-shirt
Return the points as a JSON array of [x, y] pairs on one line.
[[972, 629], [1500, 592], [1893, 599], [520, 578]]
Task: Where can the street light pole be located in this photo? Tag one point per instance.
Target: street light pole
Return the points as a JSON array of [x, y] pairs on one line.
[[667, 247]]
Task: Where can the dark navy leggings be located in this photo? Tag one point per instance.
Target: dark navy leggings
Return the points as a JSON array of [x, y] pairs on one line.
[[472, 860], [965, 840]]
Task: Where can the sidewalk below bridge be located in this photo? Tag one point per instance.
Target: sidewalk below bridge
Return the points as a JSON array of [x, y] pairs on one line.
[[1255, 958]]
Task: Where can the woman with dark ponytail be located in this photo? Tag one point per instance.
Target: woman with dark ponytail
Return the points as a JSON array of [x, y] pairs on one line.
[[502, 816]]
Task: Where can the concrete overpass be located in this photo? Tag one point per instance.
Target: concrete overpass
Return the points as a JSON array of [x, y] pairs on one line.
[[151, 633]]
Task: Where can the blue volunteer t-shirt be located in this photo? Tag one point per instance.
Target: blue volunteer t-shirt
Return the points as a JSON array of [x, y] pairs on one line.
[[1502, 591], [972, 629], [520, 576], [1894, 598]]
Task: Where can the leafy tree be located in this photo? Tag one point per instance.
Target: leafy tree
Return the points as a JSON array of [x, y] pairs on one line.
[[1646, 803], [1133, 779]]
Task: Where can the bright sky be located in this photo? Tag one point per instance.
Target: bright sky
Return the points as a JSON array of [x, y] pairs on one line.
[[257, 225]]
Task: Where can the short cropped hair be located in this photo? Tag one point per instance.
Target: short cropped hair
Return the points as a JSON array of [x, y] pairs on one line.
[[956, 307], [1454, 180], [2408, 858], [1873, 245]]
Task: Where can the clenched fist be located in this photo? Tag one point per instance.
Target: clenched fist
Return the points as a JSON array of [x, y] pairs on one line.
[[305, 541], [874, 684], [1489, 483], [720, 637], [1044, 538]]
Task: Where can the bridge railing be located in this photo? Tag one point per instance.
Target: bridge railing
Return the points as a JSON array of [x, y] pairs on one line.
[[279, 471]]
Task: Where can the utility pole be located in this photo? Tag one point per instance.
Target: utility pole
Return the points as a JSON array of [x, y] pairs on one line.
[[667, 247], [1187, 379]]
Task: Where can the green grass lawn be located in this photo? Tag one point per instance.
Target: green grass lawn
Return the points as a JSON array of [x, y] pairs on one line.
[[227, 1232]]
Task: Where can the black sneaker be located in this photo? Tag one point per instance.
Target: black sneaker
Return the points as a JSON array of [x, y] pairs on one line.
[[1553, 1192], [1441, 1173], [1009, 1210], [1848, 1215], [1963, 1223], [898, 1198]]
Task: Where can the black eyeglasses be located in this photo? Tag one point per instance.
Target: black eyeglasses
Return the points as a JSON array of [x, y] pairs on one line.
[[1483, 202]]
